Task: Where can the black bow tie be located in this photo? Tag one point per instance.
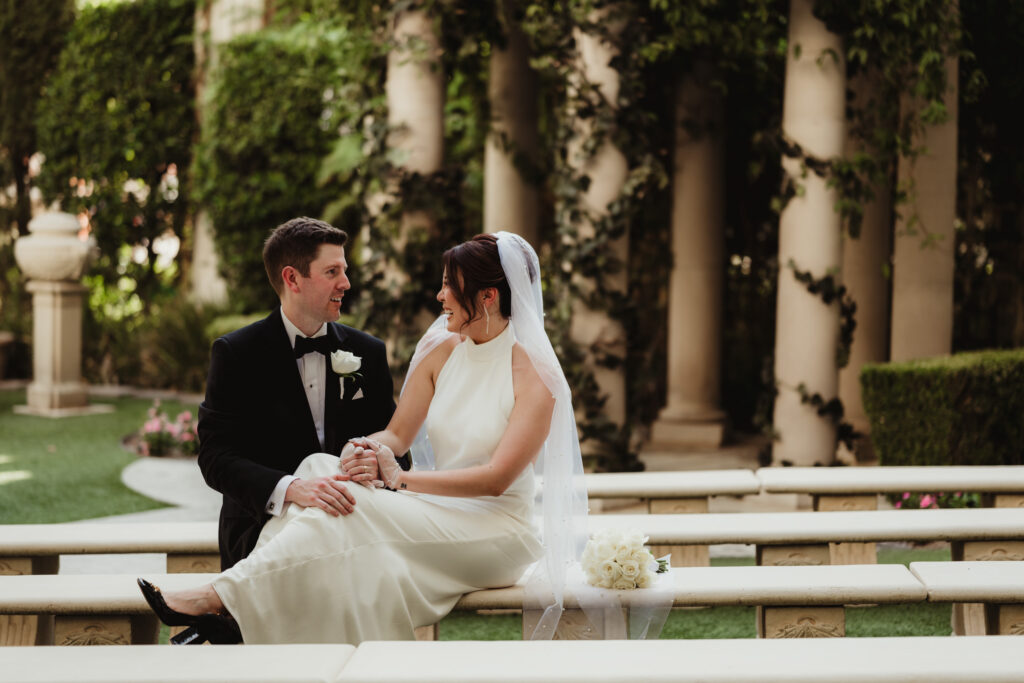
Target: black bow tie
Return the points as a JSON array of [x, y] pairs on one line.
[[304, 345]]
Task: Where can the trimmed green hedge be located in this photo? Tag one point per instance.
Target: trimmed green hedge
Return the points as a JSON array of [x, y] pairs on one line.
[[965, 409]]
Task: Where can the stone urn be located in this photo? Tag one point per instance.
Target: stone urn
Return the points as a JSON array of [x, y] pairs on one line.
[[54, 258]]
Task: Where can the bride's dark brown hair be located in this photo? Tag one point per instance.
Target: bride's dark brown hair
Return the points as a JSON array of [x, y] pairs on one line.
[[478, 264]]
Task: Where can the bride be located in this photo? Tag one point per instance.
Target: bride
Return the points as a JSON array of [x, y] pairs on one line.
[[485, 408]]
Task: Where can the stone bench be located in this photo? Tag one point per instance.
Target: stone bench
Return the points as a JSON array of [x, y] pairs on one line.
[[36, 548], [857, 488], [152, 663], [672, 492], [806, 537], [994, 659], [801, 600], [992, 593], [976, 534]]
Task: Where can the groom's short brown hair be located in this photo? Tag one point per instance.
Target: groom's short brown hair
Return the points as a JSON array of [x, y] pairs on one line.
[[296, 244]]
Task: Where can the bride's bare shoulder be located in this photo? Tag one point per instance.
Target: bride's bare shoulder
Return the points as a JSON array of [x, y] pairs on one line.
[[525, 378]]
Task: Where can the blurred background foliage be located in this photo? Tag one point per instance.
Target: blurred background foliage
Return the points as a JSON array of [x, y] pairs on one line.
[[295, 123]]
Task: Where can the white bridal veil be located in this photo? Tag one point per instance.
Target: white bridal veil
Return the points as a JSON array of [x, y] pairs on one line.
[[562, 499]]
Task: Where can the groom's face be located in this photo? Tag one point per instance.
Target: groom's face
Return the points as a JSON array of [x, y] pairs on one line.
[[322, 292]]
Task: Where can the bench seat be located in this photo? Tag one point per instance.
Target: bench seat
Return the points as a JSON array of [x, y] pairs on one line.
[[110, 608], [672, 492], [993, 591], [874, 480], [994, 659], [152, 663]]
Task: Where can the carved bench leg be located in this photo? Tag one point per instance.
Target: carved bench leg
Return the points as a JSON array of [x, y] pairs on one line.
[[193, 564], [431, 632], [969, 619], [1005, 620], [92, 630], [849, 553], [681, 555], [792, 555], [577, 625], [27, 629], [684, 555], [801, 622], [1008, 500]]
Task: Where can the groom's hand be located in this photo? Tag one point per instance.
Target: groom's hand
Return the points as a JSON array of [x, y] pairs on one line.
[[360, 462], [327, 493]]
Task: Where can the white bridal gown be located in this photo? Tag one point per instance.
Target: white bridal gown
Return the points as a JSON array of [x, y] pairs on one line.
[[401, 559]]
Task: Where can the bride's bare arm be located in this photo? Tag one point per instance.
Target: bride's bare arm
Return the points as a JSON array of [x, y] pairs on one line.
[[527, 429], [412, 406]]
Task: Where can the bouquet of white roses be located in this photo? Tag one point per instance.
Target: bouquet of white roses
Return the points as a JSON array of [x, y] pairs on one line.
[[617, 558]]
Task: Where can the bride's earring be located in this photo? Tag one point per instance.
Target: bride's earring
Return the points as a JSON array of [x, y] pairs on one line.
[[487, 314]]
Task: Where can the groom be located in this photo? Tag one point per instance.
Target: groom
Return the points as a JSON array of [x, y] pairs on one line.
[[273, 394]]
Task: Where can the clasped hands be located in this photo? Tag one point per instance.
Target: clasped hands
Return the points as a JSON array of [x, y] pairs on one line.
[[363, 460], [370, 462]]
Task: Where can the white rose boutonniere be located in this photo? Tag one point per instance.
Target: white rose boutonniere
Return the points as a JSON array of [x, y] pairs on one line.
[[616, 558], [345, 363]]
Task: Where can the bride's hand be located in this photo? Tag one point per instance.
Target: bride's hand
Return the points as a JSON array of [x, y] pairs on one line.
[[390, 471], [360, 463]]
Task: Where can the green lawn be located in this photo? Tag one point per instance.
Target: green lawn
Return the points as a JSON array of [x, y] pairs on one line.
[[60, 470], [69, 469]]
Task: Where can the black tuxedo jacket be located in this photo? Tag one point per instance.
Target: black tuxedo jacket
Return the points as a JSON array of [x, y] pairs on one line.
[[255, 424]]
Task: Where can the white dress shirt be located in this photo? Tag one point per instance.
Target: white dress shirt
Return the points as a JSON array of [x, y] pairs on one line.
[[312, 369]]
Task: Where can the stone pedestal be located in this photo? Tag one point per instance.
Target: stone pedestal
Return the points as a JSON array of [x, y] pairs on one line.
[[53, 258]]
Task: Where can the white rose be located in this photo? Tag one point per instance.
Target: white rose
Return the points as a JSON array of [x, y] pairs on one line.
[[624, 584], [604, 551], [642, 557], [644, 580], [630, 569], [610, 570], [622, 554], [345, 362]]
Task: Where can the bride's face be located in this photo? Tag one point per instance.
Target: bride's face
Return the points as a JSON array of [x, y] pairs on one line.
[[458, 317]]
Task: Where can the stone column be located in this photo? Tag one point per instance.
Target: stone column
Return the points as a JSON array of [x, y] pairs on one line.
[[864, 264], [53, 258], [597, 333], [923, 263], [216, 23], [415, 96], [510, 199], [807, 330], [692, 417]]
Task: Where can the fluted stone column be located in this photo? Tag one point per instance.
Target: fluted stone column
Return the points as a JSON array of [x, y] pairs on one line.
[[510, 199], [807, 330], [595, 331], [53, 258], [216, 23], [864, 275], [923, 262], [692, 416]]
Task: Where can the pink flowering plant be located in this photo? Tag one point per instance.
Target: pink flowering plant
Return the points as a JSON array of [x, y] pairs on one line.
[[922, 501], [162, 436]]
